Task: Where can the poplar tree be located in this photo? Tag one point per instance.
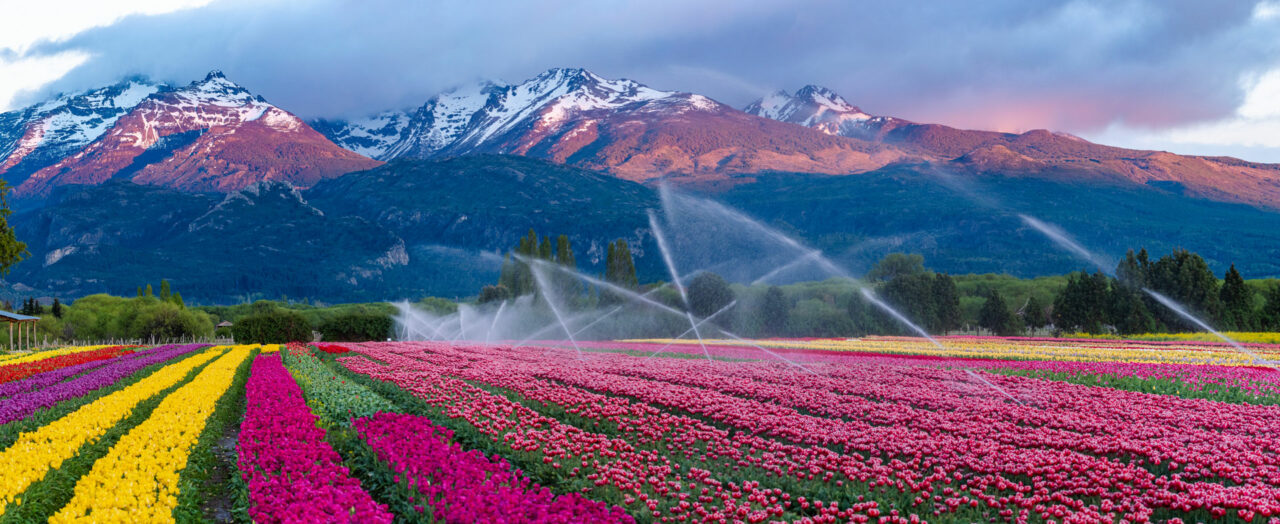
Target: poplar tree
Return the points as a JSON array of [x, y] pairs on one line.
[[564, 252], [946, 299], [1237, 302], [567, 285], [1271, 311], [626, 266], [775, 311], [1033, 314], [544, 249], [995, 315]]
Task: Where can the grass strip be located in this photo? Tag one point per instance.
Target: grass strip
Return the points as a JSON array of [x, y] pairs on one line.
[[210, 488], [336, 400]]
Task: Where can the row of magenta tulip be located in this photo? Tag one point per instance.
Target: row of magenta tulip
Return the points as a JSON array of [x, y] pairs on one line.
[[1258, 384], [1168, 449], [954, 438], [293, 475], [1082, 350], [467, 486]]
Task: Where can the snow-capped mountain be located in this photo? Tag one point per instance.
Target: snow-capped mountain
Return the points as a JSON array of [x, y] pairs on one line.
[[575, 116], [822, 109], [211, 135], [372, 136], [214, 135], [483, 117], [43, 134]]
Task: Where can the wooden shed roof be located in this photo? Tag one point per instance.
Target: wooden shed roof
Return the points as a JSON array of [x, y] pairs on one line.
[[14, 317]]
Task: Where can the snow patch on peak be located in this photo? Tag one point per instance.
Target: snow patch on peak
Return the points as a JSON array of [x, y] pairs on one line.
[[772, 106], [813, 106], [70, 121], [703, 103], [826, 98], [133, 94], [482, 116], [372, 136], [281, 120]]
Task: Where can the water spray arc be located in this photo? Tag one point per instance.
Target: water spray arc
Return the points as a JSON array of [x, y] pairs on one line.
[[546, 296], [484, 324], [1182, 311], [687, 331], [494, 325], [675, 278], [670, 201], [789, 265], [615, 310], [646, 300], [988, 383], [1064, 241]]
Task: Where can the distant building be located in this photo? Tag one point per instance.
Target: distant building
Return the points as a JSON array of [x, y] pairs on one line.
[[26, 329]]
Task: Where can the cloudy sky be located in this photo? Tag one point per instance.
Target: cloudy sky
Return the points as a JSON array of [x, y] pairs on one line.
[[1185, 76]]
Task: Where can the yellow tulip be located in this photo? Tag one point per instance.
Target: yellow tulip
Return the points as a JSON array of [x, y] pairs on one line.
[[142, 469], [34, 453]]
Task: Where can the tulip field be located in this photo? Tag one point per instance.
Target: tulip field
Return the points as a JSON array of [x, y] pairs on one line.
[[879, 429]]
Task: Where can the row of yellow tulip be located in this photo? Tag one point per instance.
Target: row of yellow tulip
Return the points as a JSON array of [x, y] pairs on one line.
[[138, 479], [36, 453], [19, 358], [1069, 350], [1243, 337]]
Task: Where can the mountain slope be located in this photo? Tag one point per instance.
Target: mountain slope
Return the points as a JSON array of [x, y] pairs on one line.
[[486, 203], [264, 240], [412, 228], [630, 130], [211, 135], [43, 134], [1039, 153]]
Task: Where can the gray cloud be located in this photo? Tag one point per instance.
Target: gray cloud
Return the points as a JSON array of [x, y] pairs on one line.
[[1075, 66]]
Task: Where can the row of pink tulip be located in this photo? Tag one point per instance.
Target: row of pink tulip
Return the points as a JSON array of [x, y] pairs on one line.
[[1258, 381], [1255, 381], [956, 438], [517, 369], [650, 482]]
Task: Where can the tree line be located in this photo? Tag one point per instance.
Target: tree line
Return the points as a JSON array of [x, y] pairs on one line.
[[937, 302], [1127, 303], [519, 277], [1124, 304]]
